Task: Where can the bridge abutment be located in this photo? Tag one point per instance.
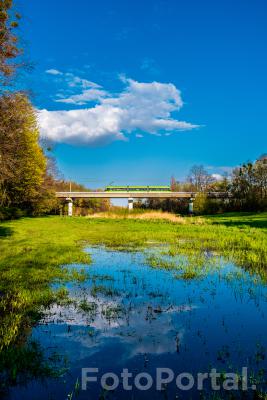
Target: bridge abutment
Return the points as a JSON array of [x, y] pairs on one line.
[[130, 203], [70, 206], [191, 206]]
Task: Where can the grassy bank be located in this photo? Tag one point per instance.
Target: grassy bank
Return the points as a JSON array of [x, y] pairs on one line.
[[33, 250]]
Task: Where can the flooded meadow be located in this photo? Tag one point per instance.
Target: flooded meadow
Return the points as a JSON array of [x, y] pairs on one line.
[[149, 309]]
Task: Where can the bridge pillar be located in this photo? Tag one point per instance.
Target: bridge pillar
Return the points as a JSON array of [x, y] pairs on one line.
[[191, 206], [130, 203], [70, 206]]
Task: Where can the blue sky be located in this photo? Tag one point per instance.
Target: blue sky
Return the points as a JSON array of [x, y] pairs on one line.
[[137, 91]]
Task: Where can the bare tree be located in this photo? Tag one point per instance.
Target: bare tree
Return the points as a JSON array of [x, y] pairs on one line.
[[199, 178]]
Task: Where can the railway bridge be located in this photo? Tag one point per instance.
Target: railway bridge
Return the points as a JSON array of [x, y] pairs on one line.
[[131, 195]]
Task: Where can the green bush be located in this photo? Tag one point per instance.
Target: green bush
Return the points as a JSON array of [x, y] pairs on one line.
[[10, 213], [203, 205]]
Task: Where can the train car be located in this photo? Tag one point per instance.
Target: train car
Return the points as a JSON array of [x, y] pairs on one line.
[[138, 188]]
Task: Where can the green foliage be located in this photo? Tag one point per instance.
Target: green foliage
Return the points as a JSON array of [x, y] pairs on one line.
[[200, 204], [249, 186], [22, 161], [203, 205], [10, 213]]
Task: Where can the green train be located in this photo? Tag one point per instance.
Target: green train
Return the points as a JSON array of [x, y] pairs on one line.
[[138, 189]]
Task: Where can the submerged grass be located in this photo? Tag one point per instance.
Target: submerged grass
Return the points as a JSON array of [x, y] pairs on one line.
[[33, 252]]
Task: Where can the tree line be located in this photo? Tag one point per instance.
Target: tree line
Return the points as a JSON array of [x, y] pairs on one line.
[[28, 177], [245, 189]]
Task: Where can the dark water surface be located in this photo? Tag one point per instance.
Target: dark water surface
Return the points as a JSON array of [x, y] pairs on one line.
[[129, 315]]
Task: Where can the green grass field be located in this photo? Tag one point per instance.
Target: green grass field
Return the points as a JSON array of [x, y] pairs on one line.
[[35, 250]]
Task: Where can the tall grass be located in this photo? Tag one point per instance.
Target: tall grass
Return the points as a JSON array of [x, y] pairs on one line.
[[145, 215]]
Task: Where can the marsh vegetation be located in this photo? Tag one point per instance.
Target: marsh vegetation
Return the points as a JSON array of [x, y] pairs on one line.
[[74, 292]]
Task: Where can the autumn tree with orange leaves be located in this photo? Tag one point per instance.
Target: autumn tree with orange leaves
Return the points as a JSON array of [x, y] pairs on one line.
[[9, 47]]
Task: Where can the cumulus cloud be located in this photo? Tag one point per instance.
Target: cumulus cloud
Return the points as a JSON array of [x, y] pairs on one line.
[[92, 126], [145, 107]]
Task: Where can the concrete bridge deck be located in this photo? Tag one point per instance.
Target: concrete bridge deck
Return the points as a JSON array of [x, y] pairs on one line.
[[134, 195]]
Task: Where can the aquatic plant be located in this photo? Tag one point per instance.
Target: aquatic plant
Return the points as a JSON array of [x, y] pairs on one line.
[[104, 290]]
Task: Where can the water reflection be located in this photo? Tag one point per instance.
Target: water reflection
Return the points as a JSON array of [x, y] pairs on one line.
[[129, 315]]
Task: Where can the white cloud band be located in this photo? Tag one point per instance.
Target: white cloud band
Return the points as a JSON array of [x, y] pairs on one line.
[[146, 107]]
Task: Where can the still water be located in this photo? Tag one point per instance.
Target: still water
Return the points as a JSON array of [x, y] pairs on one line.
[[129, 315]]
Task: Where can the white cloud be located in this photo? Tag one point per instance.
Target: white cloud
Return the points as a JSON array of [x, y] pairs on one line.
[[93, 126], [87, 95], [53, 72], [72, 80], [76, 81], [217, 177], [141, 106], [88, 90]]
